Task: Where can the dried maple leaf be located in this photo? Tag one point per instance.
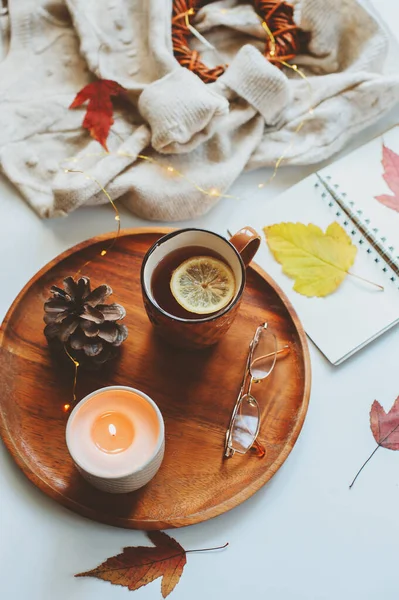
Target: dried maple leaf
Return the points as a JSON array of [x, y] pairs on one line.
[[318, 261], [385, 429], [137, 566], [99, 115], [390, 162], [385, 426]]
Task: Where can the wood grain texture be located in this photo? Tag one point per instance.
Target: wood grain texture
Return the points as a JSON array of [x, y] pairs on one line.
[[194, 390]]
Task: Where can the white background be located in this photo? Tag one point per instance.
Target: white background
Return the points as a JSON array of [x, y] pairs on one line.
[[303, 536]]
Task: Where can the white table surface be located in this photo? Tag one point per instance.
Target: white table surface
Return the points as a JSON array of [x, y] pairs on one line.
[[303, 536]]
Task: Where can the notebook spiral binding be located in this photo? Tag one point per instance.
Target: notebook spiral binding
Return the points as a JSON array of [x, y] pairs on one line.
[[353, 218]]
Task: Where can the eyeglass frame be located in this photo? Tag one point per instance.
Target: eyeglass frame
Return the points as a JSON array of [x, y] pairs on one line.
[[229, 451]]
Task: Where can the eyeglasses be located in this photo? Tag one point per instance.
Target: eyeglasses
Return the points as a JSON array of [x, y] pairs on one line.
[[245, 419]]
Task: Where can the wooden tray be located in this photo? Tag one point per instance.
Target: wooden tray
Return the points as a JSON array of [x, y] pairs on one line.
[[195, 392]]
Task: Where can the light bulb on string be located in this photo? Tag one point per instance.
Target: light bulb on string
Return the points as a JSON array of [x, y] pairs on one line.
[[295, 68]]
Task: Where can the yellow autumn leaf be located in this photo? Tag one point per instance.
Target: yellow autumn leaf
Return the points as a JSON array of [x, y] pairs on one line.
[[318, 261]]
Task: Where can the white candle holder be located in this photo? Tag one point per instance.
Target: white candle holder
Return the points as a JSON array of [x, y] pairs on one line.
[[117, 471]]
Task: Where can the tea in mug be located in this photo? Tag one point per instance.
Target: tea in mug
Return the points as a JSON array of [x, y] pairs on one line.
[[193, 282]]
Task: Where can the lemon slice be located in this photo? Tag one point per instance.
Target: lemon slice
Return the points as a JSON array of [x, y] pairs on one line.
[[203, 284]]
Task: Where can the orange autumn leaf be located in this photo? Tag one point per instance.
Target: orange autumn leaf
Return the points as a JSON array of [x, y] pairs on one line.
[[99, 115], [137, 566]]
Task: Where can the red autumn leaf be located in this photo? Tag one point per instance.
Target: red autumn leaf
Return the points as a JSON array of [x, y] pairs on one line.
[[137, 566], [99, 115], [385, 429], [390, 162], [385, 426]]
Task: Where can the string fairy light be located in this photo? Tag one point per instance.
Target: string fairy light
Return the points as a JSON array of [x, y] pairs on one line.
[[76, 364], [117, 217], [66, 407], [184, 14], [310, 111], [214, 192], [211, 192], [271, 37], [171, 170]]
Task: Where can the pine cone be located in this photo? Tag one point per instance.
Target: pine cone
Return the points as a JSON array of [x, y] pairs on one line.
[[78, 319]]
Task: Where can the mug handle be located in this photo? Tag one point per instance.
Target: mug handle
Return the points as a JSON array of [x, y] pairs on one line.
[[246, 242]]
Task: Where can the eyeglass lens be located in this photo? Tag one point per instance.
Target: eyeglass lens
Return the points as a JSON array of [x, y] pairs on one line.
[[245, 424]]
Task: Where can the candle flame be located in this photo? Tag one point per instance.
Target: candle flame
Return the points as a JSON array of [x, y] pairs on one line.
[[112, 429]]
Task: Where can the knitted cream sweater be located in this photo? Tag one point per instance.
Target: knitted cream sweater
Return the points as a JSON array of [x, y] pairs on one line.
[[246, 119]]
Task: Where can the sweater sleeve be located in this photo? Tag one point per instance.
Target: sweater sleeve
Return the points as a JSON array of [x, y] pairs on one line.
[[259, 82], [182, 111]]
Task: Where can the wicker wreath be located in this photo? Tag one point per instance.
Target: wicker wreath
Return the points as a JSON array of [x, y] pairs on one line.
[[289, 39]]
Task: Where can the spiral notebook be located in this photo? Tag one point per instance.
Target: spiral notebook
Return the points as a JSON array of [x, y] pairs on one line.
[[346, 191]]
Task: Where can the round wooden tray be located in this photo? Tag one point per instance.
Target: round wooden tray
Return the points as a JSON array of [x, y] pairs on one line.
[[195, 392]]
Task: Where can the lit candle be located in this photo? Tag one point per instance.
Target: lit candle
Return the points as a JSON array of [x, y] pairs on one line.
[[112, 432], [115, 436]]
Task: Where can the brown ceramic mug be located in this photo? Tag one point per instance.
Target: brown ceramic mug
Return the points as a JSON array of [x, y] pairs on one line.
[[196, 333]]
